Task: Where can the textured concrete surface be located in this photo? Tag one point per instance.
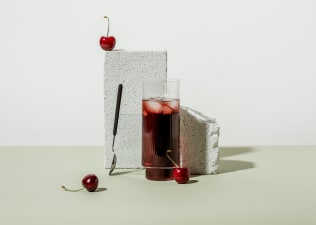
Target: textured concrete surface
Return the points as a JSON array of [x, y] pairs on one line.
[[199, 141], [129, 68]]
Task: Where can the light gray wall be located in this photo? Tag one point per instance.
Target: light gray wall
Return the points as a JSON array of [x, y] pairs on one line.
[[250, 64]]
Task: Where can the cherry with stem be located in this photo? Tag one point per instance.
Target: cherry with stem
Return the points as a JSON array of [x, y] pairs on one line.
[[89, 182], [180, 174], [107, 42]]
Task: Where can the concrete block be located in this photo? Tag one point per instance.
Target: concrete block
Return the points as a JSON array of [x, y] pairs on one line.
[[199, 141], [129, 68]]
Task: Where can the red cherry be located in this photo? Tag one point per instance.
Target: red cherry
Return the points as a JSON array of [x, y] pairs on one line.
[[181, 175], [90, 182], [107, 42]]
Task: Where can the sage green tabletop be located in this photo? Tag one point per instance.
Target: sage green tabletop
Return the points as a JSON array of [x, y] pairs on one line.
[[254, 185]]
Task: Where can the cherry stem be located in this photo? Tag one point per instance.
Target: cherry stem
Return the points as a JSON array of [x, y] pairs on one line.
[[66, 189], [107, 34], [174, 163]]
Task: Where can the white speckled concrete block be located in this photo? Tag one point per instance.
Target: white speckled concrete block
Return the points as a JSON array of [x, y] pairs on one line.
[[199, 141], [129, 68]]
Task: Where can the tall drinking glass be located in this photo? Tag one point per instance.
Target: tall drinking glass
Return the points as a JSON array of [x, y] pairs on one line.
[[161, 128]]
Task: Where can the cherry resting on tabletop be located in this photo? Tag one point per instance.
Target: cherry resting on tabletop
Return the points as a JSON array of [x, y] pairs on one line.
[[107, 42], [180, 174], [90, 182]]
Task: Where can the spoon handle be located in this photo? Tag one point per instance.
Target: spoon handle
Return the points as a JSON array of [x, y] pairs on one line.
[[117, 110]]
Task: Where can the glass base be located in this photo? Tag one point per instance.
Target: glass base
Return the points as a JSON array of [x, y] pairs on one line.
[[159, 174]]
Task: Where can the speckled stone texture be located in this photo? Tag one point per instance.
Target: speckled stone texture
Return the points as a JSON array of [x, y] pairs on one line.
[[199, 141], [129, 68]]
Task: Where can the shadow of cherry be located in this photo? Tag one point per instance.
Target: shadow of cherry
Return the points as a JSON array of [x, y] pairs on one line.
[[192, 181], [100, 189]]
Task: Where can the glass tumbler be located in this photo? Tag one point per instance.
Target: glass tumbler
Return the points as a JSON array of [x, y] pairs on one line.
[[160, 128]]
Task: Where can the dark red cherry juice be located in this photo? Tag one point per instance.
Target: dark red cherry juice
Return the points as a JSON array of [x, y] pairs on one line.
[[161, 129]]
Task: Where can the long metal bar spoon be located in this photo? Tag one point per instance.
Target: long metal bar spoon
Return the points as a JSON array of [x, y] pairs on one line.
[[117, 113]]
